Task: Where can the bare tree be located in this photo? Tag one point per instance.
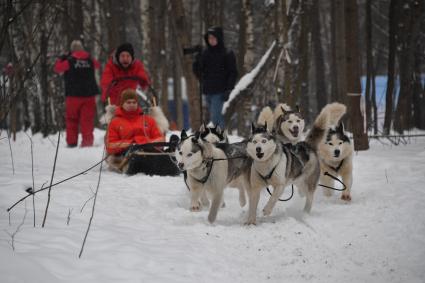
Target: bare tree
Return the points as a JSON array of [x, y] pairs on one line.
[[178, 22], [321, 93], [411, 18], [353, 76], [393, 14]]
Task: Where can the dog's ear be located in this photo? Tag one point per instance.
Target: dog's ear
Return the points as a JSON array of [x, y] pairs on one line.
[[252, 127], [183, 135], [225, 135], [297, 108], [203, 127], [265, 126], [340, 128], [283, 110]]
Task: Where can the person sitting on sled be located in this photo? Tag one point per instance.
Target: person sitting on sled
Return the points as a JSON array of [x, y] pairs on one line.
[[130, 126], [122, 71]]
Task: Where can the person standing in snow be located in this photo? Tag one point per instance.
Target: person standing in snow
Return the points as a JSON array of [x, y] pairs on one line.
[[80, 90], [216, 70], [122, 71], [130, 126]]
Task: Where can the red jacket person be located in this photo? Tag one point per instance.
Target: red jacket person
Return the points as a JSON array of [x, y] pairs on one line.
[[80, 90], [130, 126], [121, 72]]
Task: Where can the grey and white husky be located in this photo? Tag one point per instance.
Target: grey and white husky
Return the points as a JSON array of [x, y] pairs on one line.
[[210, 169], [288, 124], [277, 165], [239, 163], [336, 157]]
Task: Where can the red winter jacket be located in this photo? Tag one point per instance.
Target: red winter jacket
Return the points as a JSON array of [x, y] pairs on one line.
[[128, 128], [61, 65], [115, 79]]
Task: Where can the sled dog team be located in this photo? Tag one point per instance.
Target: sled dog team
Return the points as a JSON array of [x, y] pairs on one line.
[[276, 154]]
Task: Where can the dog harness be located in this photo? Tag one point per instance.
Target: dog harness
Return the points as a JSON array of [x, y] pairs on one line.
[[336, 169], [268, 176], [208, 164]]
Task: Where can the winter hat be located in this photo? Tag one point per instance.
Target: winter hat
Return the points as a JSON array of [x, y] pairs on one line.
[[127, 94], [124, 47], [76, 45], [217, 32]]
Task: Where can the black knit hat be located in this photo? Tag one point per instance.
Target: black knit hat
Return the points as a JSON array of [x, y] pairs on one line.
[[124, 47]]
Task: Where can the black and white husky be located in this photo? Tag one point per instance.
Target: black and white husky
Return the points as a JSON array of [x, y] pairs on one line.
[[239, 163], [336, 157], [277, 165], [288, 124], [213, 134], [209, 170]]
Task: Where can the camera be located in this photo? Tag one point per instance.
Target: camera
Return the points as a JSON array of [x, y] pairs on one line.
[[192, 50]]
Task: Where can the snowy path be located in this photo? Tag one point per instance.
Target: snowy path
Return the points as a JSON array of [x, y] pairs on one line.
[[143, 231]]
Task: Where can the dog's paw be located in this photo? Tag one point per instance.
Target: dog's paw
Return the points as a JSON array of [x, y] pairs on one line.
[[195, 207], [267, 211], [250, 221], [346, 197]]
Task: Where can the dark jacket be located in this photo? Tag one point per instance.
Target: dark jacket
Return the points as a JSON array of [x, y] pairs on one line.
[[215, 67], [78, 69]]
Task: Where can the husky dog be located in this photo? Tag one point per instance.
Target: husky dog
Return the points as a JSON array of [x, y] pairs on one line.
[[239, 163], [213, 134], [210, 168], [288, 124], [203, 173], [336, 157], [276, 164]]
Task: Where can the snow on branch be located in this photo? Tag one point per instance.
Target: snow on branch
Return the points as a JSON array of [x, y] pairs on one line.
[[247, 79]]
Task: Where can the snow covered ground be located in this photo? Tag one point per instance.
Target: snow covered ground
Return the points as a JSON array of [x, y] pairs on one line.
[[142, 230]]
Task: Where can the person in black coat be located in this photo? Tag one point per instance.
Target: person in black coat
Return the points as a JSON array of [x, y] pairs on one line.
[[216, 69]]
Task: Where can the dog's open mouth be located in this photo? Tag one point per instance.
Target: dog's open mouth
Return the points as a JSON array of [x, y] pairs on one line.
[[260, 154], [294, 132]]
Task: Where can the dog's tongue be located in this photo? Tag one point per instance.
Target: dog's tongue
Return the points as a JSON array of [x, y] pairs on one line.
[[294, 133]]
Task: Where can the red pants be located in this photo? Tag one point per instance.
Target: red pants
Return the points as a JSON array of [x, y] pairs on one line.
[[80, 113]]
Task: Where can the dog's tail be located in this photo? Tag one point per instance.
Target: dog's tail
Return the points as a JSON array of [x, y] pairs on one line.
[[106, 118], [278, 110], [160, 119], [329, 116], [266, 116]]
